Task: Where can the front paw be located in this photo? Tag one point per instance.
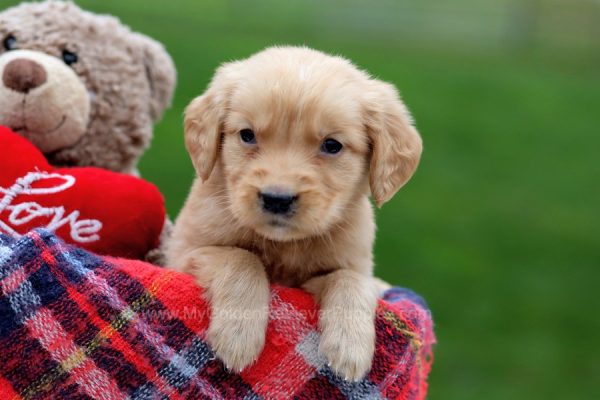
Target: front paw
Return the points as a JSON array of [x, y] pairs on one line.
[[349, 349], [236, 340]]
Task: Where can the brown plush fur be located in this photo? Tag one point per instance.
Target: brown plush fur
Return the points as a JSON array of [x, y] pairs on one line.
[[293, 99], [128, 80]]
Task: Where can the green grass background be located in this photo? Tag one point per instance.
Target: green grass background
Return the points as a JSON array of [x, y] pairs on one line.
[[499, 229]]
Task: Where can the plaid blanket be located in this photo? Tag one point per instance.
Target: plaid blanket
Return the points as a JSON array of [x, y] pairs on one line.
[[77, 326]]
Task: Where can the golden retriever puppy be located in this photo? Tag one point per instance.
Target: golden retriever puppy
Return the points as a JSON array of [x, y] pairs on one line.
[[287, 145]]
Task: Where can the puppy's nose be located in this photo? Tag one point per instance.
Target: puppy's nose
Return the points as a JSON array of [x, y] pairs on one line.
[[23, 75], [277, 203]]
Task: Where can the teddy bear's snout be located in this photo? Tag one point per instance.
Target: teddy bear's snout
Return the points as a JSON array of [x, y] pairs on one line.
[[42, 99], [23, 75]]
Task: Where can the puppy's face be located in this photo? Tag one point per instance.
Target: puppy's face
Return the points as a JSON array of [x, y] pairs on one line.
[[299, 136], [294, 154]]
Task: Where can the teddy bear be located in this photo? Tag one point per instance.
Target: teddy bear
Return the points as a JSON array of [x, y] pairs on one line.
[[82, 87]]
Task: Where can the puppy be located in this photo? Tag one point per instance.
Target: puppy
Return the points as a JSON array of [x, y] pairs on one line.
[[286, 145]]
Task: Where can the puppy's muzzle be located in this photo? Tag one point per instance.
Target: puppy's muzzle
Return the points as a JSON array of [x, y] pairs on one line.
[[277, 203]]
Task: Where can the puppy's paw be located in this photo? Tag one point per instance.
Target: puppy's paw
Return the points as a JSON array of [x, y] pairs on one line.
[[349, 349], [237, 341]]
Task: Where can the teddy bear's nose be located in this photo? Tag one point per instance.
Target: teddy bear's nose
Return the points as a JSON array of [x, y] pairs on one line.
[[23, 75]]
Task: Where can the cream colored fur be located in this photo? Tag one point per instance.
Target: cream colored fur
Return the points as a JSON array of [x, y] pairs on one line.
[[293, 99]]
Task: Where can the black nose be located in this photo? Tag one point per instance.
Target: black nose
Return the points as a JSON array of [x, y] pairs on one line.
[[277, 203], [23, 75]]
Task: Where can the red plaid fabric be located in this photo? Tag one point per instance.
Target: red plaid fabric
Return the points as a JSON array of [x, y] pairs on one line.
[[77, 326]]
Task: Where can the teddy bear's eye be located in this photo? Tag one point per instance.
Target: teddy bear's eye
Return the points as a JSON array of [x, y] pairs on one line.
[[69, 57], [10, 42]]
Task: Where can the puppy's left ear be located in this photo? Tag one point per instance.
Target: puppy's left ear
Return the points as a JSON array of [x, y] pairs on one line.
[[396, 144], [160, 72]]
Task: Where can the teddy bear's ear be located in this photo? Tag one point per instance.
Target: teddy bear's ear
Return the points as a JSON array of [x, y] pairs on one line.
[[161, 74]]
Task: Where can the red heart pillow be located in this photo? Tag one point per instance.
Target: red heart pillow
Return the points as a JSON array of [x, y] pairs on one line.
[[102, 211]]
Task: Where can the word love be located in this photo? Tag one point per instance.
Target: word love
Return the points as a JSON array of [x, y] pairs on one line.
[[21, 213]]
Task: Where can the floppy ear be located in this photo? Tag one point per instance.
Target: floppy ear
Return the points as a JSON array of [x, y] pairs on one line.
[[204, 118], [396, 144], [202, 124], [160, 72]]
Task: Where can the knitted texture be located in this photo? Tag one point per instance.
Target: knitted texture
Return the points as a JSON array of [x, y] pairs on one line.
[[77, 326]]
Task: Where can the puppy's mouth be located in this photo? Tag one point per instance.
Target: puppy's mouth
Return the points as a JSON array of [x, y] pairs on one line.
[[280, 228], [278, 223], [273, 227], [277, 230]]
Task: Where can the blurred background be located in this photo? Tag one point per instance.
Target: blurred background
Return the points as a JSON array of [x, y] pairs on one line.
[[500, 228]]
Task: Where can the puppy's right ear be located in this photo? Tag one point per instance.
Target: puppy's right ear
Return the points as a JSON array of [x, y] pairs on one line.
[[204, 119], [202, 125]]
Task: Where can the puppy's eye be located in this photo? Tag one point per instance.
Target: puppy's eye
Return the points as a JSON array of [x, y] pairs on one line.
[[331, 146], [247, 136], [10, 42], [69, 57]]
